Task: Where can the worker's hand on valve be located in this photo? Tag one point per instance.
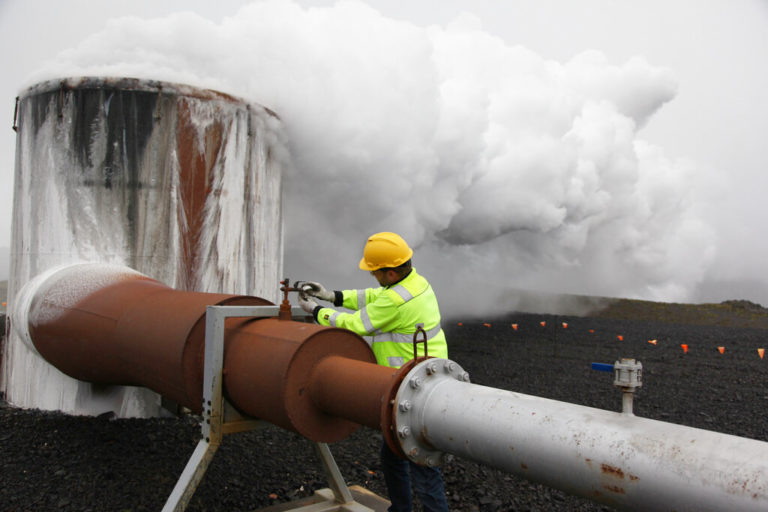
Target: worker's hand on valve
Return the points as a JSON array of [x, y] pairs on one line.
[[306, 303], [317, 290]]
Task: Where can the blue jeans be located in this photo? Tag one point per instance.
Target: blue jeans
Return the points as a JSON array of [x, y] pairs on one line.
[[427, 482]]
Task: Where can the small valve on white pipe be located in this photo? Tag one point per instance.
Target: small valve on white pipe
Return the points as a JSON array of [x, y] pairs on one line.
[[628, 373]]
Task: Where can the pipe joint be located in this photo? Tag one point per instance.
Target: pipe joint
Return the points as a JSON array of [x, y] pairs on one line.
[[412, 396]]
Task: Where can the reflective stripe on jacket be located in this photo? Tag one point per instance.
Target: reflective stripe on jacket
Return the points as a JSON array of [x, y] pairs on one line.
[[388, 318]]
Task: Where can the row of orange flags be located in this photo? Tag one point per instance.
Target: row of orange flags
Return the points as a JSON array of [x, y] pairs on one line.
[[620, 337], [721, 349], [760, 351]]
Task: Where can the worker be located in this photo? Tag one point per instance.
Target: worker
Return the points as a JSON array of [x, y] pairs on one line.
[[388, 317]]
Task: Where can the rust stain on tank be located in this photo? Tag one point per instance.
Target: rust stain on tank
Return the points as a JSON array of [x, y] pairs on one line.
[[611, 470], [614, 489], [522, 465], [196, 182]]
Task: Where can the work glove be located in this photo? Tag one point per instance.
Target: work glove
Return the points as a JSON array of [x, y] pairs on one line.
[[317, 290], [306, 303]]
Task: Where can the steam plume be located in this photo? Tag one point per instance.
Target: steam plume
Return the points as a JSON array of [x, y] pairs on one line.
[[503, 169]]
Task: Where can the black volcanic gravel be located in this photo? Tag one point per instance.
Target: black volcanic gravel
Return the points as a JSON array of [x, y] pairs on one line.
[[50, 461]]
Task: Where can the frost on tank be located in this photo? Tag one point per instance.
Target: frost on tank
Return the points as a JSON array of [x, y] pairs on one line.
[[181, 184]]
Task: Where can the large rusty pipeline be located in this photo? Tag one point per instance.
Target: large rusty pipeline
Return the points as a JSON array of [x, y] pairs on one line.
[[114, 326], [281, 370], [123, 332], [110, 325]]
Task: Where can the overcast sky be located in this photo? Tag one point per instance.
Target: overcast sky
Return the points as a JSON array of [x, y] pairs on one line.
[[713, 53]]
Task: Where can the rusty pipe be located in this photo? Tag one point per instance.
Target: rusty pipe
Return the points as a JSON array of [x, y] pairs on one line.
[[352, 388], [107, 324], [111, 325], [269, 363]]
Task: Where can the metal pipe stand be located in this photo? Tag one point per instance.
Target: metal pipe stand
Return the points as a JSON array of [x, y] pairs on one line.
[[219, 418]]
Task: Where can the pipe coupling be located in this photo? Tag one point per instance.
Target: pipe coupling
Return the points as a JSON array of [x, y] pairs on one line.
[[409, 404]]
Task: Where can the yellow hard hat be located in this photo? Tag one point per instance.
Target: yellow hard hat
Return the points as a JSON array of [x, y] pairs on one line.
[[385, 250]]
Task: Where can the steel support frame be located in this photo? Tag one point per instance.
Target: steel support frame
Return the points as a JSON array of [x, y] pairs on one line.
[[220, 418]]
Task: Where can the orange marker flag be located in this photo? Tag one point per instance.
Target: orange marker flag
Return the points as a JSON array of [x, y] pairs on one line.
[[721, 350], [653, 342], [5, 303], [543, 324], [621, 338], [565, 325], [487, 325], [461, 323], [514, 326], [761, 352], [591, 331], [685, 348]]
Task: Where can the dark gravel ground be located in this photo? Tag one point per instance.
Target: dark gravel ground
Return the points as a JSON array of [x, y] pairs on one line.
[[49, 461]]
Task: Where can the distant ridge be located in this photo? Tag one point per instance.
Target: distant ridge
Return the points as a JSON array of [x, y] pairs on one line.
[[730, 313]]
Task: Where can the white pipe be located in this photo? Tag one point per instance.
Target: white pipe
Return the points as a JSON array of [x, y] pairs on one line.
[[618, 459]]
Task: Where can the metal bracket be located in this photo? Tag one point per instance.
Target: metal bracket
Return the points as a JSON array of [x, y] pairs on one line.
[[420, 329], [220, 417]]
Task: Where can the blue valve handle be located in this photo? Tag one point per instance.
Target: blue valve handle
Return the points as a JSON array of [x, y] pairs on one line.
[[602, 367]]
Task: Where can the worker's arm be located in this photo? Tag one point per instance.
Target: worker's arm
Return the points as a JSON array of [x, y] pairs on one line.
[[376, 316], [350, 299], [357, 299]]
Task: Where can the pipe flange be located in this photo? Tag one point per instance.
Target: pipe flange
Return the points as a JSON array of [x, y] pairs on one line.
[[409, 404]]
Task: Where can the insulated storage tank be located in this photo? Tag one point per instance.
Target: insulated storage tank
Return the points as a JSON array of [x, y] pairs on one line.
[[179, 183]]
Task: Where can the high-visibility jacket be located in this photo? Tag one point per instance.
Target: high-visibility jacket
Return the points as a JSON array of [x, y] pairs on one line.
[[387, 317]]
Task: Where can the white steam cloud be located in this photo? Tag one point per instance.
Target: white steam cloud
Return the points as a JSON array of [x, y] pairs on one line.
[[504, 170]]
